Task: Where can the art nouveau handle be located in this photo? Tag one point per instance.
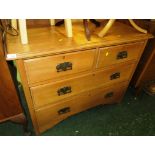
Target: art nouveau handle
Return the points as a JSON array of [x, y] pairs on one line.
[[64, 90], [64, 110], [64, 66], [108, 95], [122, 55], [115, 76]]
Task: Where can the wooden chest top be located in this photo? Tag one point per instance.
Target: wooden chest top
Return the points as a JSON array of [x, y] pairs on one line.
[[53, 40]]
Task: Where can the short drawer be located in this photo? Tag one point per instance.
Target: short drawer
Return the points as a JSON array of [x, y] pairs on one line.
[[51, 115], [54, 67], [121, 53], [54, 92]]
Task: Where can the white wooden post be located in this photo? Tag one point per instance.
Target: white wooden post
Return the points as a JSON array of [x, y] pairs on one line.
[[52, 22], [23, 31], [68, 27]]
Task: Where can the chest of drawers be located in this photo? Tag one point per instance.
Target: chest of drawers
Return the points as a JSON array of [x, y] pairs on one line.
[[63, 76]]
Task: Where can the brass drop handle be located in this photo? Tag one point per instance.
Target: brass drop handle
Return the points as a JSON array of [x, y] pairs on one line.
[[64, 110], [115, 76], [64, 66], [108, 95], [122, 55], [64, 90]]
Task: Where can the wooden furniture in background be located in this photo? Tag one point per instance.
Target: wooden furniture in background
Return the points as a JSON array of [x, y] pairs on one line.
[[146, 69], [145, 72], [10, 107], [63, 76]]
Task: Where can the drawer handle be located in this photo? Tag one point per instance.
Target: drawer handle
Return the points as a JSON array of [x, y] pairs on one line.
[[64, 110], [108, 95], [115, 76], [64, 90], [64, 66], [122, 55]]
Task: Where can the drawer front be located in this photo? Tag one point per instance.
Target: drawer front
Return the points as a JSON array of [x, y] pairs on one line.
[[54, 67], [51, 93], [51, 115], [116, 54]]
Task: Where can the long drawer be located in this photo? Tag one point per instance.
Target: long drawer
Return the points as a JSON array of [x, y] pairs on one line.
[[54, 92], [120, 53], [51, 115], [54, 67]]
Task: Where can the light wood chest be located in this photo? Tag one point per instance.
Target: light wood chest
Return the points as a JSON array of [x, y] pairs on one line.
[[63, 76]]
